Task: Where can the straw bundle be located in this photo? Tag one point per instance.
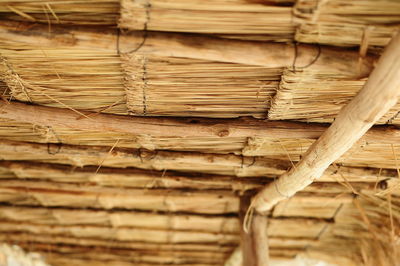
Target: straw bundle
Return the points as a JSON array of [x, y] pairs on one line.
[[318, 96], [93, 80], [189, 87], [221, 17], [344, 23], [69, 78], [93, 12]]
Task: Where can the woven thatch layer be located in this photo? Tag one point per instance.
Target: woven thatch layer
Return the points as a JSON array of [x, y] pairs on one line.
[[318, 96], [92, 12], [221, 16], [344, 23], [188, 87], [93, 80]]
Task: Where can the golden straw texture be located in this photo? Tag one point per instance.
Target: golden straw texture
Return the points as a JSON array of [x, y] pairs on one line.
[[347, 23], [189, 87], [318, 96], [218, 16], [90, 12]]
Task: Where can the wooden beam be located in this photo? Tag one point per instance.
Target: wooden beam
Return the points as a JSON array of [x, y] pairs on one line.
[[378, 95], [254, 242], [188, 45], [177, 127]]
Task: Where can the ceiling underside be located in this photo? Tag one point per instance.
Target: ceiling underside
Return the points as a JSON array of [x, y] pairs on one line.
[[129, 130]]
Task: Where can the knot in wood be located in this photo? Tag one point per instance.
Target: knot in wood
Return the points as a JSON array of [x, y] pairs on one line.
[[223, 133]]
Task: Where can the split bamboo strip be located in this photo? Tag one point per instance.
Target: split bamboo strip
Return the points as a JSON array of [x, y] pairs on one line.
[[78, 196], [156, 160], [378, 95], [218, 16], [45, 194], [271, 55], [121, 219], [166, 160], [280, 228], [90, 12], [128, 178], [364, 153], [20, 238], [188, 87], [141, 257], [344, 23], [315, 96], [136, 178], [25, 239]]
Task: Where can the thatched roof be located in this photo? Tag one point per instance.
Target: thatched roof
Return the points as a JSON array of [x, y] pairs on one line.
[[133, 132]]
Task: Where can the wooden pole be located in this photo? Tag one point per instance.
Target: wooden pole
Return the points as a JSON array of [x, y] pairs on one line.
[[255, 241], [379, 94], [176, 127]]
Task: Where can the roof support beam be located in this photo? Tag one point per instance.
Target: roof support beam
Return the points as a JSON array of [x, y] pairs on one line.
[[176, 127], [379, 94]]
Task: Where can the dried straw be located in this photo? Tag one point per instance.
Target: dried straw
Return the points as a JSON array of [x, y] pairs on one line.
[[189, 87], [79, 79], [90, 12], [347, 23], [221, 16], [318, 96], [93, 80]]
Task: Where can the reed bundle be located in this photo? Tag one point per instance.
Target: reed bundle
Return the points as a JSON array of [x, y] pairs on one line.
[[220, 17], [69, 78], [344, 23], [93, 80], [189, 87], [89, 12], [318, 96]]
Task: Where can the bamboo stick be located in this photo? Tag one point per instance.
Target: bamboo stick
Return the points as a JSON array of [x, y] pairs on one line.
[[379, 94], [273, 55]]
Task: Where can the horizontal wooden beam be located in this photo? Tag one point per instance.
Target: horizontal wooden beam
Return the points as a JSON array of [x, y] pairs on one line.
[[175, 127]]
